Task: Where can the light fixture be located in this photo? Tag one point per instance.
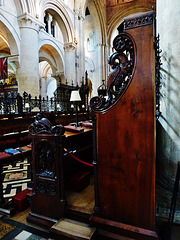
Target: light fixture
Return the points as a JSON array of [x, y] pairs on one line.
[[75, 97], [26, 106]]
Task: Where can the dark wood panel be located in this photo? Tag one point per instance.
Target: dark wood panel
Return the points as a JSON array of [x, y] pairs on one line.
[[126, 143]]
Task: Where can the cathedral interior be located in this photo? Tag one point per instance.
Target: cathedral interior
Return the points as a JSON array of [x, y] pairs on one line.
[[121, 58]]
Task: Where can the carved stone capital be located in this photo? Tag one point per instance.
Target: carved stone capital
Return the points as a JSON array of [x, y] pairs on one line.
[[70, 46], [27, 21]]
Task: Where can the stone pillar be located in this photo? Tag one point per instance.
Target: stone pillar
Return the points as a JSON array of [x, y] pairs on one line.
[[168, 141], [82, 52], [79, 41], [43, 87], [99, 70], [28, 71], [70, 63], [1, 2]]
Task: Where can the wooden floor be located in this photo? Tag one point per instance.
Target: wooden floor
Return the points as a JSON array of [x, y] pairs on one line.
[[82, 202]]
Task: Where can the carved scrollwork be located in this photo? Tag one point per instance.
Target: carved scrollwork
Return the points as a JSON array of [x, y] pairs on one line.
[[43, 125], [122, 63], [139, 20], [96, 102]]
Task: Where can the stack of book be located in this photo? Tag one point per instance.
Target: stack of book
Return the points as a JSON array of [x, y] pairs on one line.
[[14, 151]]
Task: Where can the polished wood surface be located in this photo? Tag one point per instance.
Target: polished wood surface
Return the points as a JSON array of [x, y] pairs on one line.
[[126, 144], [51, 172]]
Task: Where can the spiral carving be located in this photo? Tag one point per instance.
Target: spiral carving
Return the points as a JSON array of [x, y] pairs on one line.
[[44, 126], [122, 63]]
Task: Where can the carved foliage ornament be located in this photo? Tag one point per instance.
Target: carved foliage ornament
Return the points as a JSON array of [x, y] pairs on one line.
[[44, 126], [122, 63]]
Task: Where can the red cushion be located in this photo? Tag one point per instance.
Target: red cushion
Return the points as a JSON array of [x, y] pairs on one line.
[[20, 201], [21, 195]]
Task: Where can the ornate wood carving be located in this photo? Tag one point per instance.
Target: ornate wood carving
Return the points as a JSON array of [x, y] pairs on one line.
[[139, 20], [122, 63], [125, 139], [45, 158], [44, 126], [48, 201]]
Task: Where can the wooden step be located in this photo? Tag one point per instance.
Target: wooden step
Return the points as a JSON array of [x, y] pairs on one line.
[[71, 229]]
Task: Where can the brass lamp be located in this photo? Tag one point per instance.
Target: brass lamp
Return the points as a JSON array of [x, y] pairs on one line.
[[75, 97]]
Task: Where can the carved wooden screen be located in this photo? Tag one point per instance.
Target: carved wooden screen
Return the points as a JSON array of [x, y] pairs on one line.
[[125, 131], [48, 201]]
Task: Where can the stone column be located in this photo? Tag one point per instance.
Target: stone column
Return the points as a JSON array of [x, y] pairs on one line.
[[70, 63], [1, 2], [79, 41], [43, 87], [99, 71], [82, 51], [28, 71]]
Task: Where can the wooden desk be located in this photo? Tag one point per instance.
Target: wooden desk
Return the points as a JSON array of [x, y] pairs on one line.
[[6, 158]]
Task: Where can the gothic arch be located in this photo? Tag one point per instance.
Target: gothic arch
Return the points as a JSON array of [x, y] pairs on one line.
[[118, 19], [50, 52], [63, 18], [11, 36], [21, 6], [98, 19]]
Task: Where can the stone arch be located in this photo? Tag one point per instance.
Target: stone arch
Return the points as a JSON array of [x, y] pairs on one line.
[[90, 68], [49, 51], [9, 32], [98, 54], [12, 38], [62, 16], [54, 66], [120, 15], [98, 19], [21, 6]]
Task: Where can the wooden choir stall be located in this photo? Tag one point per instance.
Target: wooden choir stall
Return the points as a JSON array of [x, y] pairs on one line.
[[54, 171], [125, 136], [123, 144]]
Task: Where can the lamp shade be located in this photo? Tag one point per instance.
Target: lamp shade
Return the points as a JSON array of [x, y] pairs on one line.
[[26, 105], [75, 96]]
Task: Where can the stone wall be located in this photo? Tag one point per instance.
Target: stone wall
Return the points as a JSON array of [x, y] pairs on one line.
[[168, 127]]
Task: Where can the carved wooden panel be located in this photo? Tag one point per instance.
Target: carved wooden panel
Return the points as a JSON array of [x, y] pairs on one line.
[[125, 135], [48, 201]]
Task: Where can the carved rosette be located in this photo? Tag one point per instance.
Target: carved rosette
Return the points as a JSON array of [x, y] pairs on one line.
[[122, 63], [46, 188]]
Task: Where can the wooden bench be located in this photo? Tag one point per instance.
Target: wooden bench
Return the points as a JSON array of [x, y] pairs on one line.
[[14, 132]]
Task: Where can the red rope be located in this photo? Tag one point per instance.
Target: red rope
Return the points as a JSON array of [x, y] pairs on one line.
[[88, 164]]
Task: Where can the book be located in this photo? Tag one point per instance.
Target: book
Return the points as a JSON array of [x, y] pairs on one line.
[[87, 124], [20, 149], [73, 129], [11, 151]]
